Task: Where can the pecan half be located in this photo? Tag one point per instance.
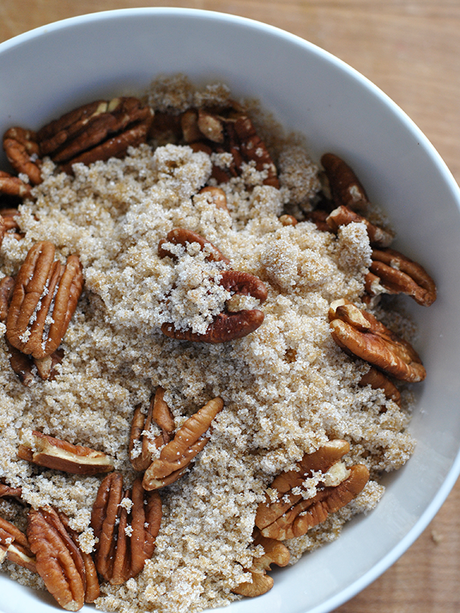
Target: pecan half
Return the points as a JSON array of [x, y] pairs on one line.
[[6, 291], [362, 335], [22, 150], [10, 221], [54, 453], [188, 441], [345, 186], [95, 131], [7, 491], [274, 553], [59, 560], [92, 589], [216, 195], [158, 413], [377, 380], [44, 299], [342, 216], [252, 148], [399, 274], [22, 364], [228, 326], [124, 546], [319, 217], [14, 544], [290, 515], [288, 220], [210, 126], [231, 131], [13, 186], [182, 236]]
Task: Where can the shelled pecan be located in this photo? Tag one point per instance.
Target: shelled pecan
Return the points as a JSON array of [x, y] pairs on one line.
[[216, 195], [359, 333], [92, 589], [23, 152], [182, 236], [319, 217], [396, 273], [44, 298], [6, 291], [291, 515], [13, 186], [345, 187], [24, 365], [59, 560], [124, 545], [222, 130], [252, 148], [158, 413], [9, 219], [94, 131], [342, 216], [288, 220], [228, 326], [274, 553], [377, 380], [188, 441], [14, 545], [57, 454], [8, 491]]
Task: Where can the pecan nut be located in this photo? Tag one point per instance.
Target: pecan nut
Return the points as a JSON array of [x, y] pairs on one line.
[[396, 273], [14, 544], [288, 220], [182, 236], [8, 491], [13, 186], [362, 335], [95, 131], [22, 364], [319, 218], [22, 150], [345, 186], [6, 291], [10, 222], [188, 441], [342, 216], [59, 560], [124, 546], [253, 149], [216, 195], [226, 130], [274, 553], [44, 298], [228, 326], [158, 413], [290, 515], [92, 589], [56, 454], [377, 380]]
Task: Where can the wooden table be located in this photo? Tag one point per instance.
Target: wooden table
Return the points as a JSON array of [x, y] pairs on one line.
[[411, 49]]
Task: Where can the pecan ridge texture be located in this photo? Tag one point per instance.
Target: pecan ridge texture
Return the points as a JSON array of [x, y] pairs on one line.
[[126, 524]]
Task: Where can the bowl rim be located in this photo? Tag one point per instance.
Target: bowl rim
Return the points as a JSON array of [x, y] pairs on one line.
[[452, 475]]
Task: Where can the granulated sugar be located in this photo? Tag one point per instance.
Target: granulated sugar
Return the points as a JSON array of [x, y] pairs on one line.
[[287, 387]]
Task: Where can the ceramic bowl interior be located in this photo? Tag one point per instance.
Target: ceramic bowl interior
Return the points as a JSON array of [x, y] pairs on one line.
[[55, 68]]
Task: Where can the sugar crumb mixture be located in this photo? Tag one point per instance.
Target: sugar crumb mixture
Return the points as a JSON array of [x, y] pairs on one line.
[[287, 387]]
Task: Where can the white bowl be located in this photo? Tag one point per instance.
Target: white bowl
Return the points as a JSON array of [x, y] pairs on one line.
[[57, 67]]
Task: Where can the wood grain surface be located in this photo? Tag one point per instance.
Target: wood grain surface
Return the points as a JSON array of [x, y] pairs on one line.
[[411, 50]]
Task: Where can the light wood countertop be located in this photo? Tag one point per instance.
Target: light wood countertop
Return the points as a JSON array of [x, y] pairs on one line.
[[411, 50]]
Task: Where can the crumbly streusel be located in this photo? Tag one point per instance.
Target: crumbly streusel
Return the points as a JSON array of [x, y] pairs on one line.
[[287, 387]]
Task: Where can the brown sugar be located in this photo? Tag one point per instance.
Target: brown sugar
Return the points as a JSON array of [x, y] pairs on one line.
[[287, 388]]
